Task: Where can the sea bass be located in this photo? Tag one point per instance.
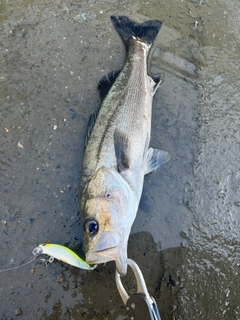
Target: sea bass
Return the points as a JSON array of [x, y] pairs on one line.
[[117, 154]]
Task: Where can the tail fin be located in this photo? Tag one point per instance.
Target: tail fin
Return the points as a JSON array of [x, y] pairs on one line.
[[127, 29]]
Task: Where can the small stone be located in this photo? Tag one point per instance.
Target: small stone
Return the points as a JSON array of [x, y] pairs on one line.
[[174, 307], [18, 311], [5, 223]]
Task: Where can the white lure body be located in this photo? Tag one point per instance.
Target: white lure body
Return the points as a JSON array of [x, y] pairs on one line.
[[61, 253]]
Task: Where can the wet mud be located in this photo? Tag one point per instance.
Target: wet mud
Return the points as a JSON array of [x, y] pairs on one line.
[[186, 237]]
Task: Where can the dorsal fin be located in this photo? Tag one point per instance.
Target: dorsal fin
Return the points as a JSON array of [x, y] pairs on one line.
[[104, 86], [91, 122], [106, 82]]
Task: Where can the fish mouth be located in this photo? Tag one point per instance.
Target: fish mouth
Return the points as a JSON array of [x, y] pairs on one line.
[[101, 256], [109, 254], [110, 247]]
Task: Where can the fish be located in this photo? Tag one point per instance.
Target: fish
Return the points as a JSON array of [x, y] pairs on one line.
[[117, 155], [61, 253]]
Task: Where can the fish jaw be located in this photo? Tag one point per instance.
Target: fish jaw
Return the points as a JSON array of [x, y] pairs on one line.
[[117, 253], [110, 244], [112, 204]]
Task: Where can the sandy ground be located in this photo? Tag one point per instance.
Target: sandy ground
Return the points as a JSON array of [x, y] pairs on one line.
[[186, 235]]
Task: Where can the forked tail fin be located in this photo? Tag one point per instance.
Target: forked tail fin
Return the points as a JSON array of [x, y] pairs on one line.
[[127, 29]]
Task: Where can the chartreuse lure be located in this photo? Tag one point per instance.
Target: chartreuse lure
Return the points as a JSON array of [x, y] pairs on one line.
[[61, 253]]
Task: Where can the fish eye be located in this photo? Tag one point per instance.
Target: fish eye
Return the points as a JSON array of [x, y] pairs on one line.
[[91, 226]]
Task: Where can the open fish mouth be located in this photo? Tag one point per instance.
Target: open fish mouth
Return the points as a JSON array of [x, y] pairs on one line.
[[102, 256]]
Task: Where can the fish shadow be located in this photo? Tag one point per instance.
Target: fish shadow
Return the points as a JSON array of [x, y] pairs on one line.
[[159, 268]]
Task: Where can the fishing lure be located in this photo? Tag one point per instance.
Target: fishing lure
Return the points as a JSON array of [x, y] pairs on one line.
[[61, 253]]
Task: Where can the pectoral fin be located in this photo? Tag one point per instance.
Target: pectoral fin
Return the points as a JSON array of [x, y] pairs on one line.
[[121, 145], [155, 158]]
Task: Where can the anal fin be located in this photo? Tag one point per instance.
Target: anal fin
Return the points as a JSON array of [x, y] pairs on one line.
[[155, 82], [155, 158]]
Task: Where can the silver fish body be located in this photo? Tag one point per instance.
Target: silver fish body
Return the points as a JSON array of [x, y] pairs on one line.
[[117, 154]]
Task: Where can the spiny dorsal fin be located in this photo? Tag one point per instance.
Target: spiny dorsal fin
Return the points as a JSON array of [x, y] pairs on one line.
[[155, 158], [121, 145], [104, 86], [91, 122], [106, 83]]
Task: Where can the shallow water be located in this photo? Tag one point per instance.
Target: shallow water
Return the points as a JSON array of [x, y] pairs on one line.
[[186, 235]]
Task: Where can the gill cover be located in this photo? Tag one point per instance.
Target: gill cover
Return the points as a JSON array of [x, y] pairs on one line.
[[108, 201]]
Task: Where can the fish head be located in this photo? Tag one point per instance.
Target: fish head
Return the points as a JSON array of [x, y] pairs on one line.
[[108, 217]]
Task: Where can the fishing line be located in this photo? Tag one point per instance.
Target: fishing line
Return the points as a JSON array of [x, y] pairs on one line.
[[22, 265]]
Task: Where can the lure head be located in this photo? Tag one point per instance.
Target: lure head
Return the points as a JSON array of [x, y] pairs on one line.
[[37, 251], [108, 213]]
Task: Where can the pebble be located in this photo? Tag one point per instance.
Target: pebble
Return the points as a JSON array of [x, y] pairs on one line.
[[18, 311]]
